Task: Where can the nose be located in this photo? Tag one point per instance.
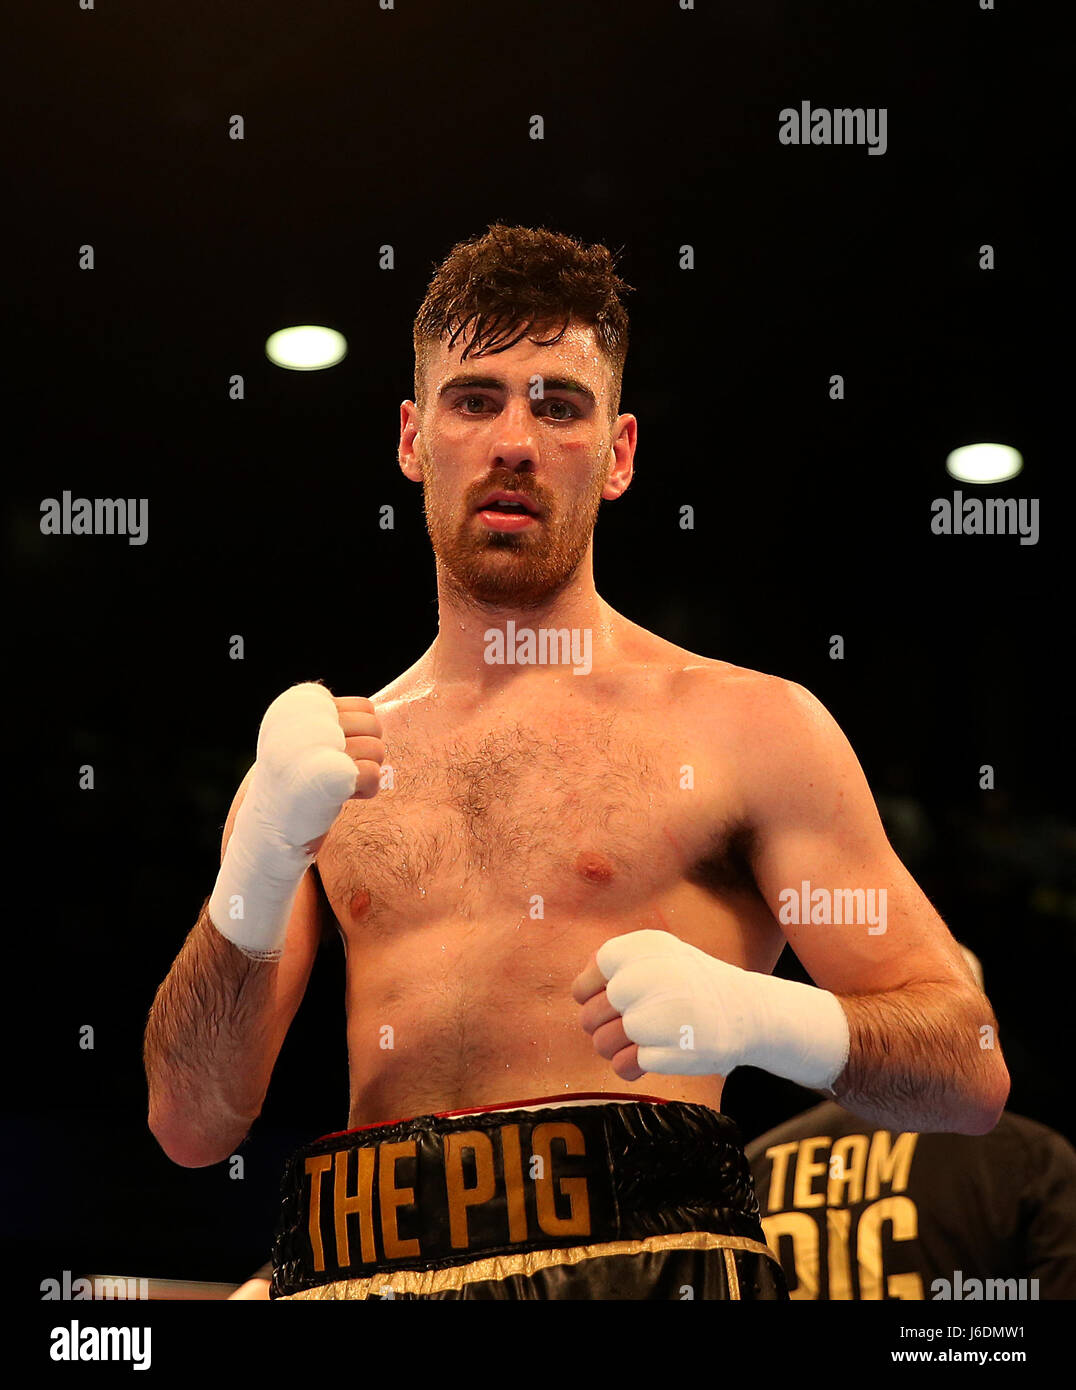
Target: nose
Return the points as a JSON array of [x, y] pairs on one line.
[[514, 444]]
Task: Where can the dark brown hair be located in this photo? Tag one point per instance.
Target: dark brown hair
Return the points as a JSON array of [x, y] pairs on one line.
[[497, 287]]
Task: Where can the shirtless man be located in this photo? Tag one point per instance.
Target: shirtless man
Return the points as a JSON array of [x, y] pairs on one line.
[[563, 881]]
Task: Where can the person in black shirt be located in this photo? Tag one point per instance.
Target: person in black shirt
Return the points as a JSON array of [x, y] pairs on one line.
[[855, 1212]]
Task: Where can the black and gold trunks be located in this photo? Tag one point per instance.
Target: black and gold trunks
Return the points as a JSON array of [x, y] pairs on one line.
[[574, 1196]]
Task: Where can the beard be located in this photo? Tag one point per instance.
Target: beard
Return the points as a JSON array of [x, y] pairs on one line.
[[511, 569]]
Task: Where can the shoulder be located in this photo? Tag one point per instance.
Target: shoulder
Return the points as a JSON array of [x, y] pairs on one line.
[[741, 703], [407, 688], [392, 694], [745, 701], [784, 748], [1037, 1139]]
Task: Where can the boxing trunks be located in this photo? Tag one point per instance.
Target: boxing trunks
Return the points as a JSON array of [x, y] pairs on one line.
[[574, 1196]]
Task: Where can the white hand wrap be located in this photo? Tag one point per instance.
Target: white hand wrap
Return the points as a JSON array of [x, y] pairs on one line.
[[694, 1015], [302, 777]]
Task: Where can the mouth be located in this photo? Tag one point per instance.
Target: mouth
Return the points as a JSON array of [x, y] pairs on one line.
[[508, 511]]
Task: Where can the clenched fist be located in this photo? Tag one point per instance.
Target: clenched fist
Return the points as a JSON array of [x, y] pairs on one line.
[[315, 753], [654, 1003], [364, 744]]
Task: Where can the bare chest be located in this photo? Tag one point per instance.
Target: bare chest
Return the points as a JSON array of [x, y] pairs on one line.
[[587, 816]]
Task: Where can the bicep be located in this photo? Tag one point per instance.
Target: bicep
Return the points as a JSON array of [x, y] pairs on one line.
[[816, 823]]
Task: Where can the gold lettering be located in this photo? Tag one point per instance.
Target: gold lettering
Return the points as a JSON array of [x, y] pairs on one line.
[[513, 1181], [902, 1213], [803, 1232], [851, 1155], [577, 1223], [461, 1197], [361, 1202], [887, 1164], [838, 1230], [779, 1154], [393, 1197], [807, 1171], [316, 1169]]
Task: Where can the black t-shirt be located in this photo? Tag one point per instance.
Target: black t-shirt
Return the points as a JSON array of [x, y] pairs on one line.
[[855, 1212]]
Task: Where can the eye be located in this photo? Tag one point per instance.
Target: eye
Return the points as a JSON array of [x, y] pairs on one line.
[[465, 401], [554, 404]]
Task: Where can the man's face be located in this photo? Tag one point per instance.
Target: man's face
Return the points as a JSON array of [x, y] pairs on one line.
[[488, 426]]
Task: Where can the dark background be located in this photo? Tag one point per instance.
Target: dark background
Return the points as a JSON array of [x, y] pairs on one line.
[[410, 128]]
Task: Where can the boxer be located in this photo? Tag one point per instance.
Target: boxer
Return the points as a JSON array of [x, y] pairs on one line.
[[558, 880]]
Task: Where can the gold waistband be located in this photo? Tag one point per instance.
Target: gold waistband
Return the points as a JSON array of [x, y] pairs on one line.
[[421, 1283]]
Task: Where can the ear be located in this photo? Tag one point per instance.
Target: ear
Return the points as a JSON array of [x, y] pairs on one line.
[[405, 454], [622, 456]]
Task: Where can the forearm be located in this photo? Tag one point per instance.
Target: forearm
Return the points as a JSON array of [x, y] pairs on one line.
[[205, 1044], [919, 1060]]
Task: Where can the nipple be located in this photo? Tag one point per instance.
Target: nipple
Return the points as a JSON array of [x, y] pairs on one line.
[[360, 903], [594, 867]]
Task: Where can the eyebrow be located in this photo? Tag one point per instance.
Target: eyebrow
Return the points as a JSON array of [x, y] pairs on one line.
[[549, 383]]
